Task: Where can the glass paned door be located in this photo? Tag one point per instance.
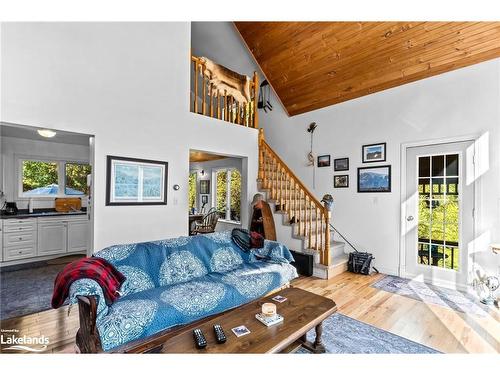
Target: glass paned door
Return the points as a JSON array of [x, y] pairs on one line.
[[439, 211]]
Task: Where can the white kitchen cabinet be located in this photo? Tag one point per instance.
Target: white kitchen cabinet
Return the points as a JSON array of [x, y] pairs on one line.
[[26, 240], [78, 236], [52, 237]]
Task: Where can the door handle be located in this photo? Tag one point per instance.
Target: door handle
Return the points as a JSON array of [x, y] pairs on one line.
[[409, 218]]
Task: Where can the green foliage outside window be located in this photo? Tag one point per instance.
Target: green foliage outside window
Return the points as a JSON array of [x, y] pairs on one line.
[[192, 190], [221, 198], [76, 178], [38, 174]]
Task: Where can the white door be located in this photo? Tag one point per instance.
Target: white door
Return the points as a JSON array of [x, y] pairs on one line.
[[78, 236], [439, 213], [52, 237]]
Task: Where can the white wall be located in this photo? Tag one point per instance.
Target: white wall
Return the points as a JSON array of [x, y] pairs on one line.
[[461, 102], [12, 147], [128, 85]]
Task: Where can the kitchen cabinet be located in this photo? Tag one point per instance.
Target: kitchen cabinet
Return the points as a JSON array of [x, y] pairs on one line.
[[52, 237], [27, 240]]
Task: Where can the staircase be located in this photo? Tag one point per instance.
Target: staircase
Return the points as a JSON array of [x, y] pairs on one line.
[[298, 212]]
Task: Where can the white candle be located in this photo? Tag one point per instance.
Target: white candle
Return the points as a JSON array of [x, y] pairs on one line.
[[269, 309]]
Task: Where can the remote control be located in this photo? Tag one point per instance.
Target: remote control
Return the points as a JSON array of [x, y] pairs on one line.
[[219, 334], [199, 338]]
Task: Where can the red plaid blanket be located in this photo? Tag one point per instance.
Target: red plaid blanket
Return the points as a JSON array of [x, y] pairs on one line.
[[98, 269]]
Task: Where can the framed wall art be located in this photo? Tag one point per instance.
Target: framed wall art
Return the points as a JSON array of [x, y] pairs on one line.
[[341, 181], [341, 164], [374, 153], [374, 179], [323, 161], [205, 187], [132, 181]]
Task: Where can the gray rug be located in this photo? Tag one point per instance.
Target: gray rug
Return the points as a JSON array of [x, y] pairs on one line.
[[345, 335], [27, 290], [450, 298]]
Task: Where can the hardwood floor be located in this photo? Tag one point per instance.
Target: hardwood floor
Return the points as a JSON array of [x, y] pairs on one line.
[[438, 327]]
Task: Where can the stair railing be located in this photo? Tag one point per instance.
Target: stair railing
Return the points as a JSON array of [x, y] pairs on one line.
[[291, 195], [207, 100]]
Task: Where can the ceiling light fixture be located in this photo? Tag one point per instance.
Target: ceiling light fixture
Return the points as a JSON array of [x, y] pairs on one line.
[[46, 133]]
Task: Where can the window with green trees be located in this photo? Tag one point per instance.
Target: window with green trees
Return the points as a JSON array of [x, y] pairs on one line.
[[228, 194], [192, 190], [76, 179], [39, 178]]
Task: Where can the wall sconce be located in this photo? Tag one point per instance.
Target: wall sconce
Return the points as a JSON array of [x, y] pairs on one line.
[[202, 173]]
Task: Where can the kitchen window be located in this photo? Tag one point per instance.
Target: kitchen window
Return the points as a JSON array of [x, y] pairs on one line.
[[39, 178], [228, 194]]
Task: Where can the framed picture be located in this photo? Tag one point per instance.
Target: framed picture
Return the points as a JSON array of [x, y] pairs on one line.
[[204, 199], [374, 179], [205, 187], [341, 181], [374, 153], [323, 161], [341, 164], [135, 181]]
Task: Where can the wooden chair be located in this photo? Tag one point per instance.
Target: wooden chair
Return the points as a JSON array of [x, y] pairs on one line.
[[208, 223]]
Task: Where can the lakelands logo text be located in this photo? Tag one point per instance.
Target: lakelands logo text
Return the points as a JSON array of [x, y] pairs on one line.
[[22, 343]]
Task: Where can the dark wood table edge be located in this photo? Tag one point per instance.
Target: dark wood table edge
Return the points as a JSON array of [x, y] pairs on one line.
[[154, 343]]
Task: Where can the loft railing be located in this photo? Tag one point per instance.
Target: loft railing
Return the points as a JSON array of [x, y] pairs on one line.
[[292, 196], [208, 100]]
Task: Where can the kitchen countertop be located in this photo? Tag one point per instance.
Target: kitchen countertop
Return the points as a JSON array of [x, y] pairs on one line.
[[24, 214]]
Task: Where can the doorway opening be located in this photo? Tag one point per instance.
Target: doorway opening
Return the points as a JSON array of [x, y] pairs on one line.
[[46, 196], [217, 192]]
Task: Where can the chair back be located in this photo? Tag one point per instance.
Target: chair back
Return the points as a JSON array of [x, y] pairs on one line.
[[210, 219]]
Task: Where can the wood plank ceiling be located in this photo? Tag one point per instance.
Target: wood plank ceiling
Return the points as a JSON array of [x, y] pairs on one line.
[[312, 65], [200, 156]]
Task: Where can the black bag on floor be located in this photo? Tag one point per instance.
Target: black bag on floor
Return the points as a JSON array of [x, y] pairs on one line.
[[360, 263]]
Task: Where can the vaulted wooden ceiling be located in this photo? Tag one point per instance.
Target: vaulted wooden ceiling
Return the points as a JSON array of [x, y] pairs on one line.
[[312, 65]]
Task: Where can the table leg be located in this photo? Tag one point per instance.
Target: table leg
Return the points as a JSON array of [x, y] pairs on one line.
[[317, 346]]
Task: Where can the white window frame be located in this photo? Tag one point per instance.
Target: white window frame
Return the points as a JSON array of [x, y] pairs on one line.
[[61, 176], [229, 170]]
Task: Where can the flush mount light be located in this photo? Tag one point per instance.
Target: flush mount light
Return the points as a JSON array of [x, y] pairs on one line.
[[46, 133]]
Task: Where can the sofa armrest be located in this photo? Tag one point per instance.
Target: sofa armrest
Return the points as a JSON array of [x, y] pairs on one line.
[[87, 337]]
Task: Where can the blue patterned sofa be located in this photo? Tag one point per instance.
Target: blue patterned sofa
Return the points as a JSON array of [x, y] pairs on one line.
[[174, 282]]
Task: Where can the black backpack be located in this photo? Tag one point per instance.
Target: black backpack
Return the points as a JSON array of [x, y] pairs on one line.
[[360, 263]]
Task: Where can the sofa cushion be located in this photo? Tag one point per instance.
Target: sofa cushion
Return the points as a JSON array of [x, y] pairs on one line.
[[181, 266]]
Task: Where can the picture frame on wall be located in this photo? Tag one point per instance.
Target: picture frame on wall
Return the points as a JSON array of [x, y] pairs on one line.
[[341, 181], [341, 164], [374, 179], [323, 161], [374, 153], [205, 187], [131, 181], [204, 199]]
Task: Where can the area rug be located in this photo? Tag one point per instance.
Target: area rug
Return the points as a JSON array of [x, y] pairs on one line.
[[28, 289], [345, 335], [420, 291]]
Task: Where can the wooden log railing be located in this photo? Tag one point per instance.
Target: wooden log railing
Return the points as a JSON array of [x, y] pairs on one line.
[[292, 196], [207, 100]]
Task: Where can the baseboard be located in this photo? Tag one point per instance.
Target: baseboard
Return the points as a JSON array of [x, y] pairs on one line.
[[441, 283], [387, 270]]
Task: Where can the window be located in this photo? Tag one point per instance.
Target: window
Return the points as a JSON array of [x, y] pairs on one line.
[[39, 178], [76, 179], [192, 190], [52, 178], [228, 194]]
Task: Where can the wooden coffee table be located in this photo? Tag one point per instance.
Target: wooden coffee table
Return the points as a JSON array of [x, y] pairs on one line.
[[302, 311]]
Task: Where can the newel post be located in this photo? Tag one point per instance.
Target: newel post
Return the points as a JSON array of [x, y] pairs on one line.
[[327, 208]]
